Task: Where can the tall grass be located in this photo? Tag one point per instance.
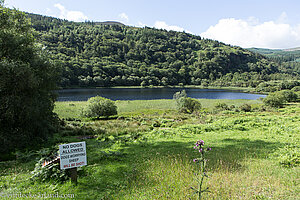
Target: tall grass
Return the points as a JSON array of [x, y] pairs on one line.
[[72, 109]]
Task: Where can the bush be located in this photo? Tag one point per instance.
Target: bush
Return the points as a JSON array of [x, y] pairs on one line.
[[50, 172], [178, 95], [289, 95], [190, 105], [222, 106], [245, 107], [186, 104], [274, 100], [277, 99], [296, 89], [100, 107], [288, 156]]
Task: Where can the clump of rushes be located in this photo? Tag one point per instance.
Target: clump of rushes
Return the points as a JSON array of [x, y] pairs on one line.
[[201, 161]]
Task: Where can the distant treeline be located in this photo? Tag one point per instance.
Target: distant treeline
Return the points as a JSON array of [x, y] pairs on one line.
[[289, 60], [91, 54], [278, 54]]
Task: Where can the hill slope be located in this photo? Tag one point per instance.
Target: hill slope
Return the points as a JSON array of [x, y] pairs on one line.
[[281, 55], [93, 54], [288, 59]]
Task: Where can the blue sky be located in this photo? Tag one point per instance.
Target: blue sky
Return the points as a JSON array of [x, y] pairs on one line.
[[246, 23]]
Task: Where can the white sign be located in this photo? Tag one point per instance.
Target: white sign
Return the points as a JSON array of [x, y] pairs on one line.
[[72, 155]]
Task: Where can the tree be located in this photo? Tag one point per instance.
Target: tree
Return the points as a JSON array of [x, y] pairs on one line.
[[156, 57], [27, 80]]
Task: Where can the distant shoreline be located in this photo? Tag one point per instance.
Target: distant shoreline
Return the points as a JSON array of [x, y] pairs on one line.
[[242, 89]]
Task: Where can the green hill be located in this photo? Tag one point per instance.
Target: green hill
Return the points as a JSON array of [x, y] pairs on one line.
[[97, 54], [288, 59], [281, 55]]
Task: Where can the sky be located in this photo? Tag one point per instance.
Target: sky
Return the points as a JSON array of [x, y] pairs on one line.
[[247, 23]]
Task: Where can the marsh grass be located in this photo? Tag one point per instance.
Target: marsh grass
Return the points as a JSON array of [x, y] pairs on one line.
[[72, 109], [133, 159]]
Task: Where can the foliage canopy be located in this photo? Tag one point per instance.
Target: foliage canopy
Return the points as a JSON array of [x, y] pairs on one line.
[[27, 79], [93, 54]]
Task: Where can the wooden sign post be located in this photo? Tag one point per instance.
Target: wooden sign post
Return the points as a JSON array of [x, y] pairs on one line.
[[72, 155], [73, 174]]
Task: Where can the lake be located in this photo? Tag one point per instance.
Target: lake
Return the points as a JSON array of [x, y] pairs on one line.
[[151, 93]]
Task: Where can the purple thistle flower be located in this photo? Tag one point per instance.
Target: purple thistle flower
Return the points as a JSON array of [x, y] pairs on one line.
[[200, 150], [208, 149], [195, 160]]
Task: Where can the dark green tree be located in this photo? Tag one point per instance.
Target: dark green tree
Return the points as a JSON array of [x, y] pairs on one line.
[[27, 80]]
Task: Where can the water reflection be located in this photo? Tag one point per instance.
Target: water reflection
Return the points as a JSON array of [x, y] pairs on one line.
[[150, 93]]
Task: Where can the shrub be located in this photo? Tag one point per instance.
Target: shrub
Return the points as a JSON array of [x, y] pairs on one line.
[[274, 100], [277, 99], [46, 171], [289, 95], [190, 105], [288, 156], [186, 104], [100, 107], [296, 89], [222, 106], [245, 107], [232, 107], [178, 95]]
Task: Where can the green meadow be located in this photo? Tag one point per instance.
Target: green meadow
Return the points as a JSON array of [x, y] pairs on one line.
[[146, 152]]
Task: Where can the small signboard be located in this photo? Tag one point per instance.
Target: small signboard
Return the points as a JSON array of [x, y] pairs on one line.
[[72, 155]]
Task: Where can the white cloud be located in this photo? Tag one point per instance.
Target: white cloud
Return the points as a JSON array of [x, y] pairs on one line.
[[141, 24], [76, 16], [124, 16], [283, 18], [164, 25], [252, 33]]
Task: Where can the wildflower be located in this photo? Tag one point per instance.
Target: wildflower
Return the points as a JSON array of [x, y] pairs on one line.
[[199, 146], [201, 142]]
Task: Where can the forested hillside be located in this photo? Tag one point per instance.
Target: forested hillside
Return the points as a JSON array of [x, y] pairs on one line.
[[94, 54], [289, 59], [281, 55]]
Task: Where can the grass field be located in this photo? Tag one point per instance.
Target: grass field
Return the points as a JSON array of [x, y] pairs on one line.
[[147, 153], [72, 109]]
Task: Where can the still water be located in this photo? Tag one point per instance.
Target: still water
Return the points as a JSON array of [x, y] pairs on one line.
[[150, 93]]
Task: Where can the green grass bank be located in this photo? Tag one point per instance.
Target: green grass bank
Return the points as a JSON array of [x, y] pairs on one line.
[[146, 152]]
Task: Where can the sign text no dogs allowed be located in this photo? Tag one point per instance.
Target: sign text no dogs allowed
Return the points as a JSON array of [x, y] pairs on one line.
[[72, 155]]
